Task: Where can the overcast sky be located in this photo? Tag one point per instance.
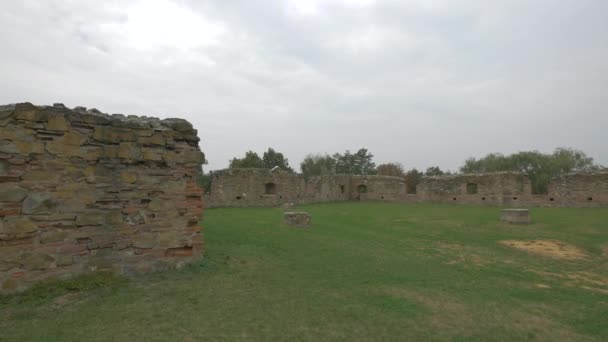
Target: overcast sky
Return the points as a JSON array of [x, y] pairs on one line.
[[420, 82]]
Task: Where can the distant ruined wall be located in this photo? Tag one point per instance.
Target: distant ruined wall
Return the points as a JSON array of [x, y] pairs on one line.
[[581, 189], [82, 191], [261, 187], [500, 188]]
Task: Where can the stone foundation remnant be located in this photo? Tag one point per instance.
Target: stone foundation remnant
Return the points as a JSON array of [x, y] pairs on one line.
[[297, 219], [83, 191], [515, 216]]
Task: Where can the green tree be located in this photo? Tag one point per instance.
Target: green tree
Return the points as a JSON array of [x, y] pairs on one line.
[[391, 169], [251, 160], [317, 165], [434, 171], [412, 179], [539, 167], [359, 163], [272, 158]]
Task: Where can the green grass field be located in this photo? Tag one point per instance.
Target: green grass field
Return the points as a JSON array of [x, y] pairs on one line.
[[364, 271]]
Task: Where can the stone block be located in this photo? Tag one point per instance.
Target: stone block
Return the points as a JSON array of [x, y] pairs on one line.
[[39, 203], [57, 123], [515, 216], [18, 226], [12, 193], [297, 219]]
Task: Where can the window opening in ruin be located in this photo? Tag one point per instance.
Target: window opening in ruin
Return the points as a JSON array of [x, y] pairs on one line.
[[589, 198], [471, 188], [271, 189], [362, 188], [341, 189], [410, 189]]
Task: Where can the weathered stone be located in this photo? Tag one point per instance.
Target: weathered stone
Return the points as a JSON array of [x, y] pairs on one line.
[[152, 154], [297, 219], [146, 240], [129, 151], [17, 226], [52, 236], [64, 260], [37, 261], [59, 148], [57, 123], [158, 204], [515, 216], [170, 239], [8, 147], [29, 147], [41, 176], [39, 203], [4, 167], [90, 219], [12, 193], [29, 112], [128, 177], [113, 135], [179, 125], [155, 139]]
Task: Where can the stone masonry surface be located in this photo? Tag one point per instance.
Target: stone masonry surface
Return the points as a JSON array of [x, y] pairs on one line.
[[82, 191], [262, 187]]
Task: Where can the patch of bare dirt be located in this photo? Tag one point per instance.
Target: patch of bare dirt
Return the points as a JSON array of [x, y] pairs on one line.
[[548, 248]]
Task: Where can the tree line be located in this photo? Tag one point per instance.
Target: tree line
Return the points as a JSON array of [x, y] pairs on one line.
[[540, 167]]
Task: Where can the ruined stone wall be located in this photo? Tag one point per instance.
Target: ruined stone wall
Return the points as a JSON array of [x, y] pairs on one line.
[[250, 187], [500, 188], [581, 189], [83, 191], [377, 188]]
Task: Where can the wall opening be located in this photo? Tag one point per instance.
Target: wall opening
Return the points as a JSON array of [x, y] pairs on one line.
[[238, 197], [341, 189], [362, 188], [515, 198], [453, 199], [471, 188], [551, 199], [271, 188], [483, 198], [589, 198]]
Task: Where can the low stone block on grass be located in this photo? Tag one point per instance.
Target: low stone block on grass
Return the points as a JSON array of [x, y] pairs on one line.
[[297, 219], [516, 216]]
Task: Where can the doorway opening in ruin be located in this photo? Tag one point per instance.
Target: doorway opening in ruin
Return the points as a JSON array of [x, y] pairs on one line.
[[361, 189], [471, 188], [341, 189], [271, 189]]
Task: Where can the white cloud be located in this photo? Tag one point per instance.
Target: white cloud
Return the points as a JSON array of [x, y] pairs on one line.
[[416, 81]]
